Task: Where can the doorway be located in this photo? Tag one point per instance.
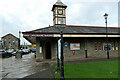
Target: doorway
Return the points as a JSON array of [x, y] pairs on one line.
[[48, 50]]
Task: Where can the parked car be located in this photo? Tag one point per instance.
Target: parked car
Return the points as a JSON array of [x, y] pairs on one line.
[[4, 54], [17, 51], [10, 51], [14, 53], [25, 51], [33, 50]]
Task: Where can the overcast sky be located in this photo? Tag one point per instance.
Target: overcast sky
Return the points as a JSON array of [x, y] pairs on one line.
[[25, 15]]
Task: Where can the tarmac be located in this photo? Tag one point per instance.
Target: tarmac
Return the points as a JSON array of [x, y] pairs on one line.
[[45, 74], [26, 67]]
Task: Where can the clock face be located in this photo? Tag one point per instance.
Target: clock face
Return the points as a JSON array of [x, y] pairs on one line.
[[60, 12]]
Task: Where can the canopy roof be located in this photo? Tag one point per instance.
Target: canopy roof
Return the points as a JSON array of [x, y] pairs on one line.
[[72, 29], [69, 31]]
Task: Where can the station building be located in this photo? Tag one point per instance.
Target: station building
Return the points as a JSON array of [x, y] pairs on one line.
[[79, 41]]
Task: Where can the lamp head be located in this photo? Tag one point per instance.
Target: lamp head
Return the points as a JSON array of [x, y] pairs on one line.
[[106, 15]]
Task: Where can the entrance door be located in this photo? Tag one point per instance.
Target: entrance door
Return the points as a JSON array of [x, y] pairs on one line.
[[48, 50]]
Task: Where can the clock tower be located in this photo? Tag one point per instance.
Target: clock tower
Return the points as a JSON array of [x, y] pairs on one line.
[[59, 13]]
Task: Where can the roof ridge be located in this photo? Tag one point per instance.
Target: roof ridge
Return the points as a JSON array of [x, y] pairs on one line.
[[40, 29], [10, 34]]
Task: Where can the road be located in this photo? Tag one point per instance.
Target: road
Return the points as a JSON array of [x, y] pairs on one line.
[[19, 68]]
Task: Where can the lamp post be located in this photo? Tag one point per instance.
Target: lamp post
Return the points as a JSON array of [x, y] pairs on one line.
[[62, 58], [19, 38], [106, 16]]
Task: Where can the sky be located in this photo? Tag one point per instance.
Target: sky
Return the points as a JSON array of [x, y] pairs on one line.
[[26, 15]]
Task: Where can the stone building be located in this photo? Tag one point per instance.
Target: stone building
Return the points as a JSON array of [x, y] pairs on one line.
[[79, 41], [0, 44], [10, 41]]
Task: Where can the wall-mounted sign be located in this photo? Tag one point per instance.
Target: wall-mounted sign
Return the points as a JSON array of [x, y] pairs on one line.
[[74, 46], [105, 47], [38, 35]]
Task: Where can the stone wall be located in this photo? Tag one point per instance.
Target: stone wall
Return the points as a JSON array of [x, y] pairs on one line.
[[79, 54], [91, 52], [14, 43]]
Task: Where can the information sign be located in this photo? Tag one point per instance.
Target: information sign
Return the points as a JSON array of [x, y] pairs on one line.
[[74, 46]]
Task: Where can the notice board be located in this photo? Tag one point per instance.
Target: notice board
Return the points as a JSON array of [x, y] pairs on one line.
[[74, 46]]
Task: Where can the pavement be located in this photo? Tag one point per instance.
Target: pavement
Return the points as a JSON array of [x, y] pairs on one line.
[[44, 74], [47, 74], [14, 69]]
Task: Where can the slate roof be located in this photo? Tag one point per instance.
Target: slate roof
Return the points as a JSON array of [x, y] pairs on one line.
[[58, 3], [71, 29], [11, 35]]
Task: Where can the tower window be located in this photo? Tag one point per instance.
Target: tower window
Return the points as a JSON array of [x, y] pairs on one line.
[[60, 20]]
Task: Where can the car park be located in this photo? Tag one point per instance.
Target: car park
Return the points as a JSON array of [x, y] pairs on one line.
[[10, 51], [17, 51], [25, 51], [14, 53], [33, 50], [4, 54]]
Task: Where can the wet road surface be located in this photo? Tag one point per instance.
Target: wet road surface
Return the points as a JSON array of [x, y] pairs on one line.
[[19, 68], [0, 68]]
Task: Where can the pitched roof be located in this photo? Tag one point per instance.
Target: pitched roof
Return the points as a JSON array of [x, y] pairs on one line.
[[11, 35], [71, 29], [58, 3]]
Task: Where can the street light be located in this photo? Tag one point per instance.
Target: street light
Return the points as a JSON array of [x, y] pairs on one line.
[[62, 58], [106, 16], [19, 38]]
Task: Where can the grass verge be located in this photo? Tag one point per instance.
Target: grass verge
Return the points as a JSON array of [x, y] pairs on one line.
[[102, 69]]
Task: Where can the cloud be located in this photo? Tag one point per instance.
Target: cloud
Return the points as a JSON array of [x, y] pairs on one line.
[[25, 15], [92, 13], [78, 1]]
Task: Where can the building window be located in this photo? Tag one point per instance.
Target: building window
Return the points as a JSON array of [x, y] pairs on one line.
[[95, 45], [100, 45], [116, 45], [60, 20], [9, 41], [112, 45], [13, 42]]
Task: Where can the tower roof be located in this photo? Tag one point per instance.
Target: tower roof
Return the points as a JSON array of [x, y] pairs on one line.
[[58, 4]]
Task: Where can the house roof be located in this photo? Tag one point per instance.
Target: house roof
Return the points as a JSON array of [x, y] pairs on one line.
[[58, 4], [9, 34], [72, 29]]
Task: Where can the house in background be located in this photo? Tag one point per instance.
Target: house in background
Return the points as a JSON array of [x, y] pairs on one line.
[[10, 41], [79, 41], [1, 44]]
